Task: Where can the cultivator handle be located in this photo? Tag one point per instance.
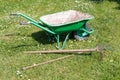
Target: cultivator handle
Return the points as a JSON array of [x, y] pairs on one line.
[[24, 23]]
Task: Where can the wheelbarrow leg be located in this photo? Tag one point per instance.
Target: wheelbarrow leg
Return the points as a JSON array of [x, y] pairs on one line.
[[66, 38], [64, 42], [58, 42]]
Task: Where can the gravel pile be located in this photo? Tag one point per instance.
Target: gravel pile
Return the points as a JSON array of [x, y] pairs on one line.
[[64, 17]]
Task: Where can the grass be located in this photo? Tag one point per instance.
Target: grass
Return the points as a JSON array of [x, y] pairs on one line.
[[15, 39]]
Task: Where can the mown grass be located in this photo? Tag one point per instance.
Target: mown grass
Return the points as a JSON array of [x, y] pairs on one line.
[[15, 39]]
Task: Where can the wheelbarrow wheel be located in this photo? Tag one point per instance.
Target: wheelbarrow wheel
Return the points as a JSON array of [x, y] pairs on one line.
[[77, 37]]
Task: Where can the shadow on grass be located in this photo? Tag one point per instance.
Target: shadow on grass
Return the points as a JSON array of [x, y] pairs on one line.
[[117, 1], [42, 37], [97, 1], [74, 53], [13, 35]]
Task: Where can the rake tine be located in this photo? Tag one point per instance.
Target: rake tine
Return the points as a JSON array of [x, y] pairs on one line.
[[100, 49]]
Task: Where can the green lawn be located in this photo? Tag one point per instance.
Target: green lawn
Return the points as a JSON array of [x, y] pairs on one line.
[[14, 39]]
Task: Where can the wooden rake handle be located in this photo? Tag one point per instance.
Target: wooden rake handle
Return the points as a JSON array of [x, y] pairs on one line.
[[65, 51], [76, 51]]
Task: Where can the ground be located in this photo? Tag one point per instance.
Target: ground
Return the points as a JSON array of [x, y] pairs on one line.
[[15, 39]]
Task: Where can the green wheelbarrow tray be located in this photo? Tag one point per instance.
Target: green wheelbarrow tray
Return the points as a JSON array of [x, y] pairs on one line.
[[61, 22]]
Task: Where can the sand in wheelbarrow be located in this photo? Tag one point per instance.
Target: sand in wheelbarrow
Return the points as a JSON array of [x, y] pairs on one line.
[[64, 17]]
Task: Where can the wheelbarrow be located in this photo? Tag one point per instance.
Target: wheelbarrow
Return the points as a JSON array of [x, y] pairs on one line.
[[62, 22]]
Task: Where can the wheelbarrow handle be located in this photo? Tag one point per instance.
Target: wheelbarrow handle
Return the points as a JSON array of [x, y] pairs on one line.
[[24, 16], [14, 14]]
